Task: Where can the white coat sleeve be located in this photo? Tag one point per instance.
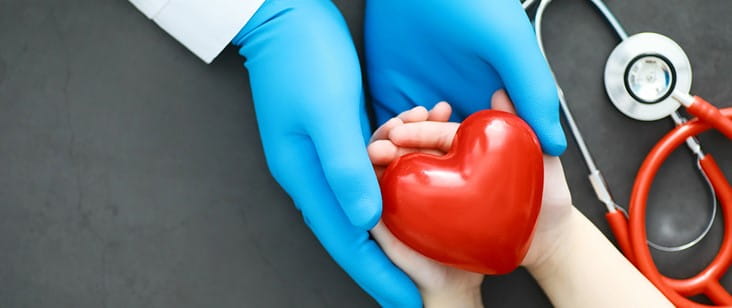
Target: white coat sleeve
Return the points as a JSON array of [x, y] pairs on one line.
[[205, 27]]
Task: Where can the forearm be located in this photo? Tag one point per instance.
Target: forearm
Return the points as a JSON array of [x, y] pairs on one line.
[[586, 270]]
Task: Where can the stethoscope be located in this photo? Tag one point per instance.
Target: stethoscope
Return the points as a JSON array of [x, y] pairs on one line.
[[648, 77]]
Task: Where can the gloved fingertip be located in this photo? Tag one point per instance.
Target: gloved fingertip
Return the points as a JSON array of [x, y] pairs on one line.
[[553, 141], [541, 112], [365, 214], [401, 292]]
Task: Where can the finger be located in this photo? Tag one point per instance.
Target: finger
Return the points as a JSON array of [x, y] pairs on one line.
[[348, 169], [425, 135], [500, 101], [416, 265], [384, 238], [526, 75], [405, 151], [383, 131], [440, 112], [383, 152], [398, 252], [349, 246], [415, 114]]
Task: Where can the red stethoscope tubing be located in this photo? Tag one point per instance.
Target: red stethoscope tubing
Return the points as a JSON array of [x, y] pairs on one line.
[[630, 233]]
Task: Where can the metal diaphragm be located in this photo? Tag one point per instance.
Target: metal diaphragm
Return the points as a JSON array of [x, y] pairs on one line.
[[642, 72]]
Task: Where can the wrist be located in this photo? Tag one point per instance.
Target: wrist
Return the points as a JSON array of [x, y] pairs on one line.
[[551, 246], [469, 298]]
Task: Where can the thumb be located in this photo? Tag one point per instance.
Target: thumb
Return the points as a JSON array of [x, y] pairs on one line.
[[527, 78], [348, 170], [501, 102]]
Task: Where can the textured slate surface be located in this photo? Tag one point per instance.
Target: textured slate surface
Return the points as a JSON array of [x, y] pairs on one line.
[[132, 175]]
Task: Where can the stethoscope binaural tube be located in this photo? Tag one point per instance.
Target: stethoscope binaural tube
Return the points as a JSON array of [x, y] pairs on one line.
[[705, 111], [707, 281]]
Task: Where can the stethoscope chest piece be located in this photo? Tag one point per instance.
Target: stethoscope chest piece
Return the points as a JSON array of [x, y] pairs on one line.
[[642, 72]]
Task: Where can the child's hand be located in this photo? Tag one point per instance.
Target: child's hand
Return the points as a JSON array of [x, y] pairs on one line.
[[439, 284], [565, 248], [419, 130], [556, 204]]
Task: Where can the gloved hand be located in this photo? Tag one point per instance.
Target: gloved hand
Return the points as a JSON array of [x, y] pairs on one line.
[[308, 97], [422, 52]]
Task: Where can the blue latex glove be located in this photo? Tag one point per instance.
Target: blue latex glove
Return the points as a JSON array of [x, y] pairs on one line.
[[308, 97], [420, 52]]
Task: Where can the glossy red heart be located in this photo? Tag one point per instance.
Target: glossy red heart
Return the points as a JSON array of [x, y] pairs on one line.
[[474, 208]]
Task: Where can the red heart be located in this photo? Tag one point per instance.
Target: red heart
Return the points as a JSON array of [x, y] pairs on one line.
[[474, 208]]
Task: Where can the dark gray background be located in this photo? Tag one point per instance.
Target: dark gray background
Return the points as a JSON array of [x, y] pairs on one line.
[[132, 174]]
